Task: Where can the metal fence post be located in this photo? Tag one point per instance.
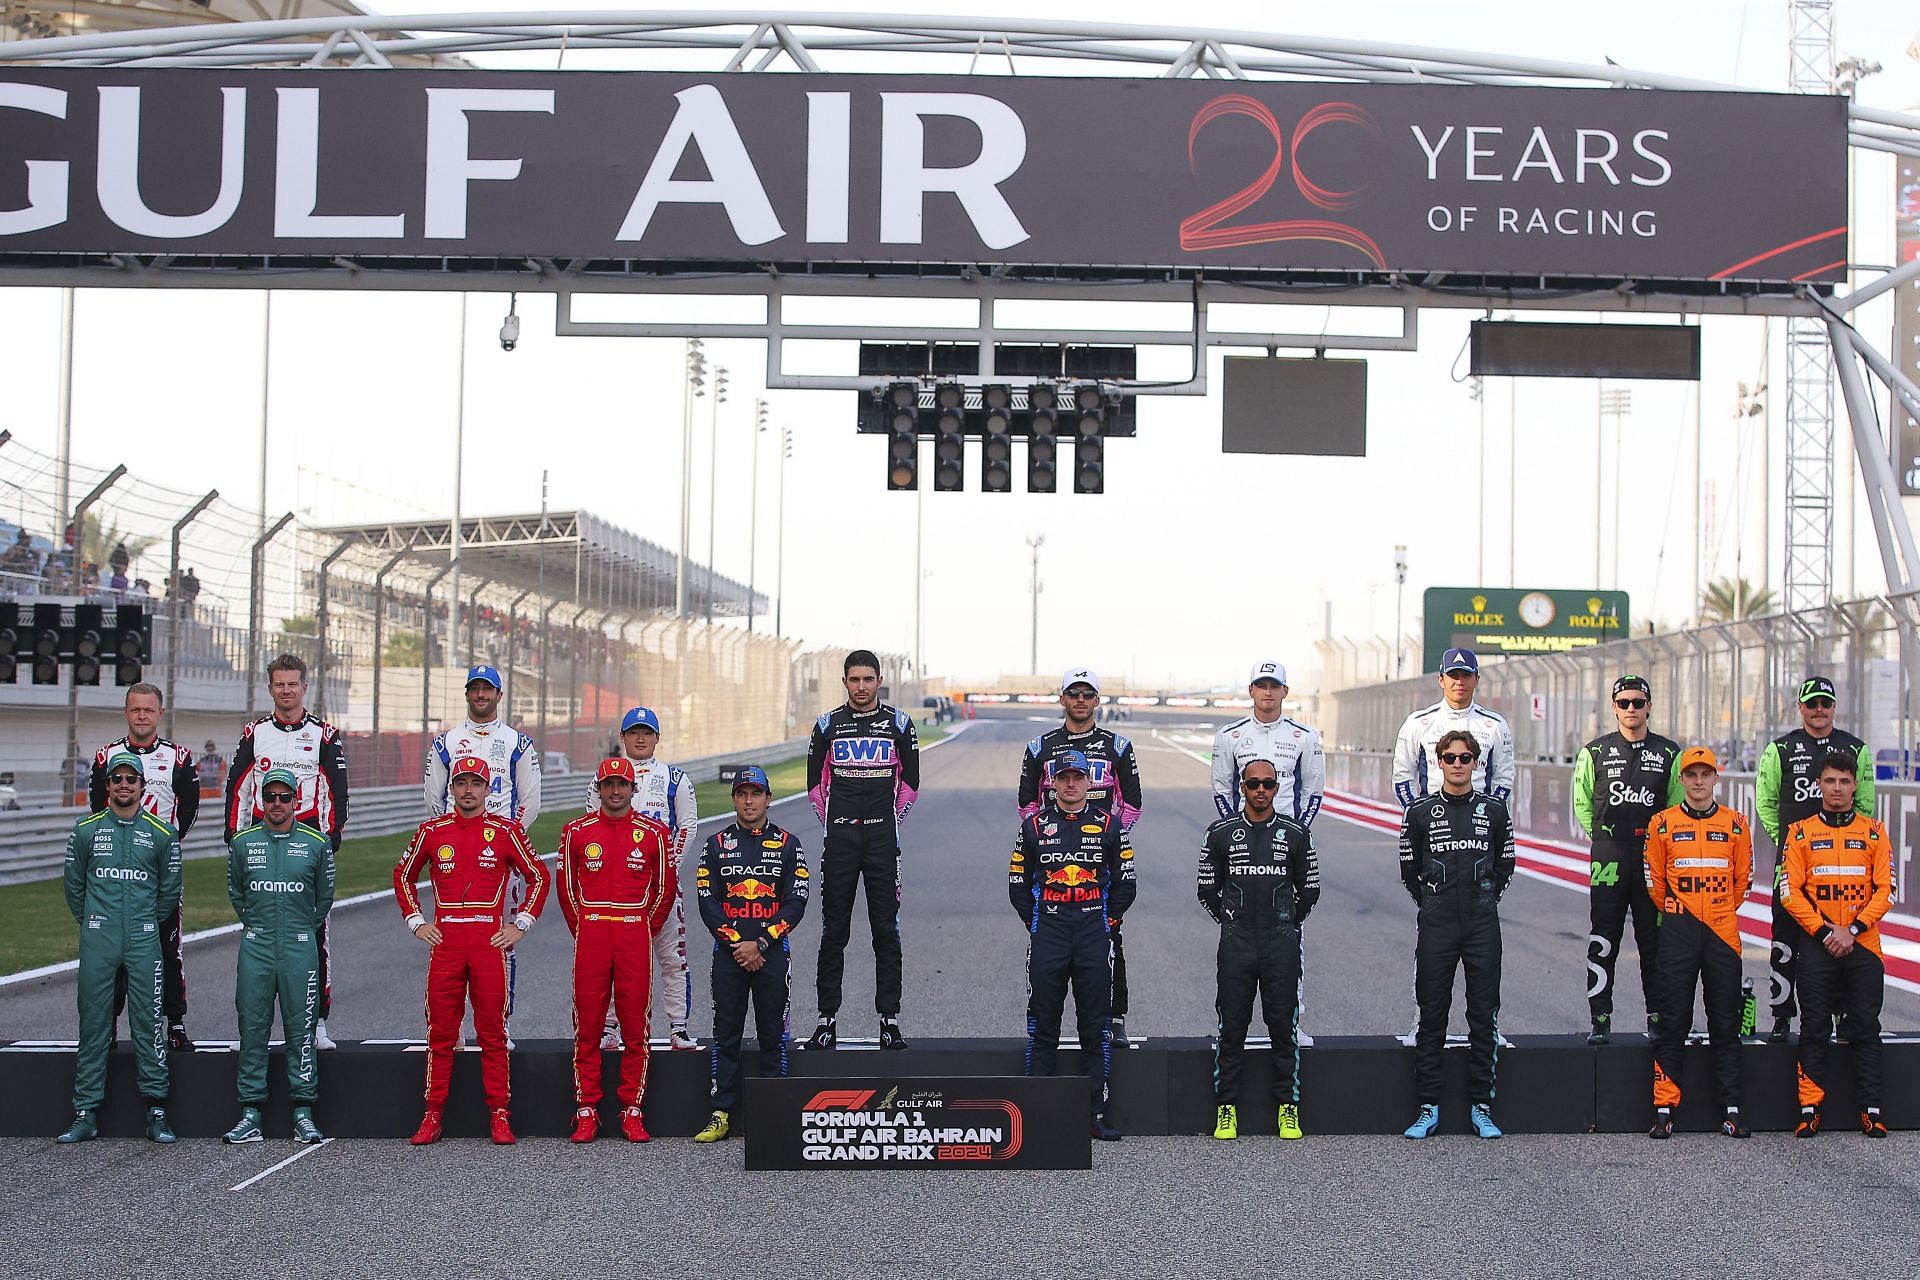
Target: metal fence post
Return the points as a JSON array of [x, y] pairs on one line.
[[256, 607], [69, 785], [546, 637], [173, 600], [379, 646], [513, 643], [322, 615], [426, 639]]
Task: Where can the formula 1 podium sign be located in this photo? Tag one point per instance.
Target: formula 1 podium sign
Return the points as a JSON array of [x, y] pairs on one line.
[[985, 1122]]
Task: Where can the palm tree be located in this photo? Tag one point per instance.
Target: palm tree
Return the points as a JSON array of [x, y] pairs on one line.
[[405, 649], [98, 541], [1732, 599]]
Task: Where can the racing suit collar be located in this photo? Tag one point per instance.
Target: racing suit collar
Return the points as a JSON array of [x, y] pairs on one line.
[[1700, 814], [1833, 819], [1461, 798], [136, 747], [292, 724]]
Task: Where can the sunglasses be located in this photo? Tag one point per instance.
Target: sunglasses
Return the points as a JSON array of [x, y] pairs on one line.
[[1079, 696], [124, 777], [1457, 757], [1630, 704], [278, 797], [1821, 704], [1260, 784]]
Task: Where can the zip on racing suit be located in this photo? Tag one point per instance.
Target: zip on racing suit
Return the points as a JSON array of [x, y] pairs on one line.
[[1070, 880], [1839, 875], [1698, 869], [1113, 780], [314, 751], [1456, 860], [863, 772], [172, 795], [1258, 880], [1786, 791], [1618, 785]]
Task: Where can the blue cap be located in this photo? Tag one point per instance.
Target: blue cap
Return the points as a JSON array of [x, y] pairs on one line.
[[484, 672], [751, 775], [1459, 660], [643, 717], [1069, 760]]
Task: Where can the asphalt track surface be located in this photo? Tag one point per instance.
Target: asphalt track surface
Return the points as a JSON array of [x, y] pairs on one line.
[[1174, 1206], [965, 947]]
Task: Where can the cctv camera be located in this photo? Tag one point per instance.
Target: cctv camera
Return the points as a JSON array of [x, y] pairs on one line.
[[510, 332]]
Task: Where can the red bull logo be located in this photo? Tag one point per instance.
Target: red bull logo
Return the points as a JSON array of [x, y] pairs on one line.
[[751, 889], [1072, 876], [758, 900]]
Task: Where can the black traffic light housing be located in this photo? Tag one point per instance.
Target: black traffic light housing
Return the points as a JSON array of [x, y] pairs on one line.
[[88, 638], [996, 439], [129, 640], [1089, 440], [44, 644], [949, 437], [1043, 439], [901, 406], [9, 642]]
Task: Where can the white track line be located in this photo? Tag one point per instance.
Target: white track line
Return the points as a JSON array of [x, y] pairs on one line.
[[301, 1154], [377, 895]]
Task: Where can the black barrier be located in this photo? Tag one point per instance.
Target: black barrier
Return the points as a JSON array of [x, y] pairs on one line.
[[918, 1122], [1349, 1084]]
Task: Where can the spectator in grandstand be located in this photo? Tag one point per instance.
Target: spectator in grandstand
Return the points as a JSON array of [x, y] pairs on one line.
[[118, 560], [141, 590], [118, 583], [89, 577], [21, 559], [213, 765]]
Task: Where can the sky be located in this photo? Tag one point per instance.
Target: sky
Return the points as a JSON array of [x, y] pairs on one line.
[[1190, 567]]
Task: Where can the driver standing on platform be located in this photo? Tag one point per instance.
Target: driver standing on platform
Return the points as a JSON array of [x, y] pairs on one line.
[[1415, 753]]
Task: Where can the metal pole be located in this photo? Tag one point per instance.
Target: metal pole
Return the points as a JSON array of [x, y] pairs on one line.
[[379, 647], [1693, 523], [266, 391], [546, 616], [63, 416], [573, 679], [67, 791], [426, 640], [173, 602], [753, 500], [322, 668], [695, 371], [1480, 495], [780, 535], [256, 606], [472, 641], [1599, 498], [459, 457], [513, 643], [1875, 467], [1035, 541], [713, 446], [919, 578], [1513, 467]]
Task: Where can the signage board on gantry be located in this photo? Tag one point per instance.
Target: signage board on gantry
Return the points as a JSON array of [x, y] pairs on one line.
[[1554, 183], [1496, 621]]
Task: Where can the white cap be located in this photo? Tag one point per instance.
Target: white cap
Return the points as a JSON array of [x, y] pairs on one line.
[[1079, 675], [1267, 670]]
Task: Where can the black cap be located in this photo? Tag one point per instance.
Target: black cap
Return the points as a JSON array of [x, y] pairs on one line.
[[1816, 687], [1625, 683]]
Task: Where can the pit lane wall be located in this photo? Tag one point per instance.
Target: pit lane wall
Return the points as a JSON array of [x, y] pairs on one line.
[[1543, 811]]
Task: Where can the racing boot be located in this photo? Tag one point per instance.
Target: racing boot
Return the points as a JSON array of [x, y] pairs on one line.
[[1782, 1029], [248, 1130], [1602, 1029], [586, 1125], [429, 1130], [824, 1036], [321, 1040], [1103, 1130], [1226, 1124], [177, 1038], [1662, 1123], [1290, 1120], [890, 1037], [1425, 1122], [680, 1038], [633, 1127], [1809, 1123], [305, 1131], [500, 1127], [1483, 1126], [716, 1128], [1117, 1032], [1871, 1124], [1731, 1127], [158, 1128], [85, 1128], [610, 1035]]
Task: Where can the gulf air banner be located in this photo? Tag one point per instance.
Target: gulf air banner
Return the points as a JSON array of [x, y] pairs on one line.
[[969, 1122], [744, 169], [1505, 621]]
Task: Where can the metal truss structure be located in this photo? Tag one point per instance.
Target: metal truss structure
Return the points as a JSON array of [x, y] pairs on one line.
[[1809, 454], [743, 42]]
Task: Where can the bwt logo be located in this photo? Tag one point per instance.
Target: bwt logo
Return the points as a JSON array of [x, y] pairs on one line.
[[863, 751]]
